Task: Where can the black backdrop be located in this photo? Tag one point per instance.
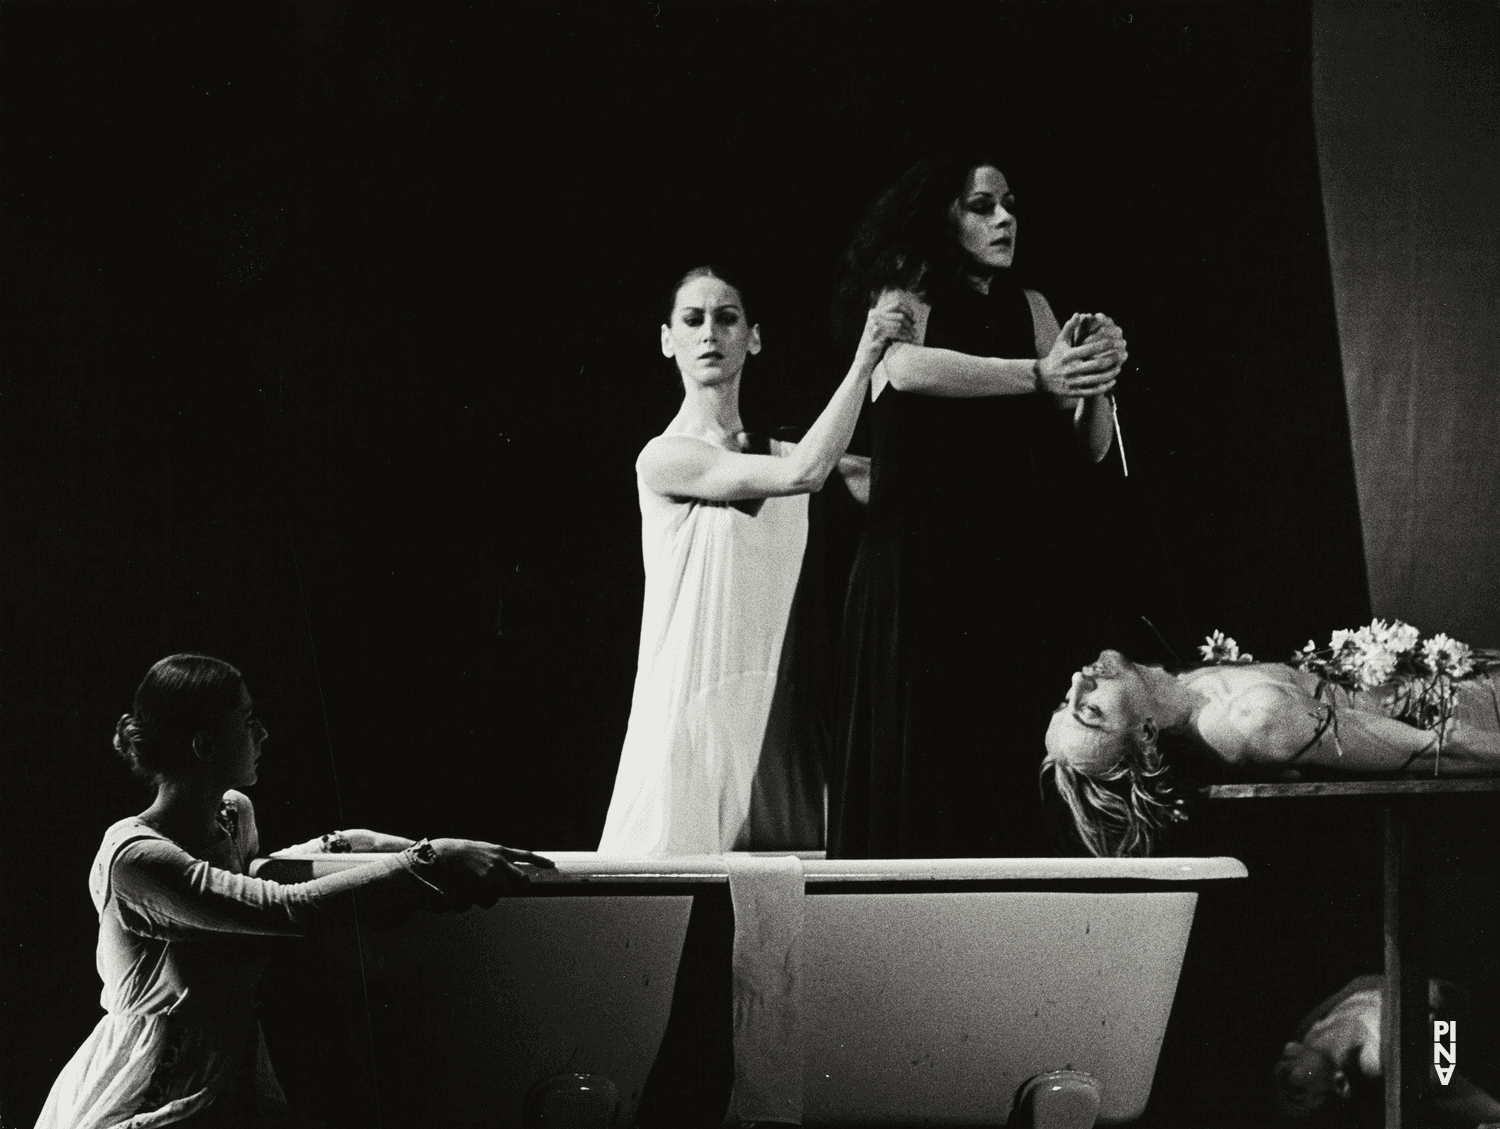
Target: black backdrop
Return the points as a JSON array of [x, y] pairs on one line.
[[330, 338]]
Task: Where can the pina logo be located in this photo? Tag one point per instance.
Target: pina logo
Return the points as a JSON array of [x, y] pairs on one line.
[[1441, 1027]]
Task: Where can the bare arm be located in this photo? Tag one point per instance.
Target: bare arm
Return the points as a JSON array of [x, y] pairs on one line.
[[1069, 373], [680, 466], [943, 372]]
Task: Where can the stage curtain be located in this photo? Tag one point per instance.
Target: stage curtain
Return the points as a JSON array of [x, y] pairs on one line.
[[1407, 106]]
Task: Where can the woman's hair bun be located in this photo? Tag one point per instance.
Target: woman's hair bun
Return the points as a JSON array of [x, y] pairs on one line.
[[128, 733]]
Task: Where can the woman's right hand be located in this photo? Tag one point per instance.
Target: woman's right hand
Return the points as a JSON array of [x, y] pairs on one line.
[[890, 319], [1085, 370], [486, 871]]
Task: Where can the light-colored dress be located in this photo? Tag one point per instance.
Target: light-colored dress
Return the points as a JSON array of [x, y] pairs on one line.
[[182, 944], [720, 578]]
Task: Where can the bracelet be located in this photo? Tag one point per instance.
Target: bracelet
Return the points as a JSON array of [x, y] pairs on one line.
[[334, 843], [1036, 375]]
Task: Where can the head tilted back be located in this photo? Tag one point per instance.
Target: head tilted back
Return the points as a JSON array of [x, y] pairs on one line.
[[1117, 810]]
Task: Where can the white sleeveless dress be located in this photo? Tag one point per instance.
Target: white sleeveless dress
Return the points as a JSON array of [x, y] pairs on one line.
[[719, 586]]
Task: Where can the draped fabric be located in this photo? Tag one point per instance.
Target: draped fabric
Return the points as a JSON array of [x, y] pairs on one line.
[[1407, 108]]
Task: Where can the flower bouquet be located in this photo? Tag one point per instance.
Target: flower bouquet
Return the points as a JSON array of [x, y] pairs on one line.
[[1419, 677]]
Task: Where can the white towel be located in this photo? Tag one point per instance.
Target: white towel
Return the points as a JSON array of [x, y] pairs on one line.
[[767, 964]]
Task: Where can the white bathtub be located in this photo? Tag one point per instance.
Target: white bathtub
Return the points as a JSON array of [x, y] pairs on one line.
[[931, 988]]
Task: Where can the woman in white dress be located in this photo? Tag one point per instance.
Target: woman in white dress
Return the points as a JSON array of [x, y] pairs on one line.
[[723, 529], [183, 931]]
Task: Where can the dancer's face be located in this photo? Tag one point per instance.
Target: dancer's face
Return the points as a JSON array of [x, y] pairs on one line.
[[1107, 705], [709, 335], [984, 219], [236, 744]]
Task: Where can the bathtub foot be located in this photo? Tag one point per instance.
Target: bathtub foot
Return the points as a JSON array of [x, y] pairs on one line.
[[1058, 1099], [571, 1101]]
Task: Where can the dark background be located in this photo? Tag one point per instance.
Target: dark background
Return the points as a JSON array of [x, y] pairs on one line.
[[330, 336]]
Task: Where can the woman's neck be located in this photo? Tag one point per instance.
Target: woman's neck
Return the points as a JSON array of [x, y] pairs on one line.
[[185, 810], [1176, 701], [712, 408], [978, 280]]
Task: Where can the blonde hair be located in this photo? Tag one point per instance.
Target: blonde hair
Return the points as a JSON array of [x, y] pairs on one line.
[[1117, 811]]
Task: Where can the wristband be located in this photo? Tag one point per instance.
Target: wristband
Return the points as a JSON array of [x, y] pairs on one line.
[[1036, 375]]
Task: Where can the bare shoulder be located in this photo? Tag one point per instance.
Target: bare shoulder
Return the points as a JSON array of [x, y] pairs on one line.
[[664, 459], [670, 448]]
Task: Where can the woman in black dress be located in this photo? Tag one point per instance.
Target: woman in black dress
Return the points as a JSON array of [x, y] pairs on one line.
[[959, 601]]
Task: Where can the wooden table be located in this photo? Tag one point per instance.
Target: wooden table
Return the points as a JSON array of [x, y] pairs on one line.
[[1405, 1038]]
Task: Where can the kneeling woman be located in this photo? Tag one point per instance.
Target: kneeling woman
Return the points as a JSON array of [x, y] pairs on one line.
[[1104, 744], [180, 923], [723, 529]]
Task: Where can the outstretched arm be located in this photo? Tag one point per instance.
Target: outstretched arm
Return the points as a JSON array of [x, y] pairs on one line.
[[680, 466], [162, 891], [1065, 371]]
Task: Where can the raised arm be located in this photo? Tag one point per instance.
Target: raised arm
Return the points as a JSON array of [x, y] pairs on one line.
[[680, 466]]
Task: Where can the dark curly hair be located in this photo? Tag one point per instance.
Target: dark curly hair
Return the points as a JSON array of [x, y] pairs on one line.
[[906, 238], [181, 696]]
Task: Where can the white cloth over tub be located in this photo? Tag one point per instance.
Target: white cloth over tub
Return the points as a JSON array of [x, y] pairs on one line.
[[767, 894], [720, 578]]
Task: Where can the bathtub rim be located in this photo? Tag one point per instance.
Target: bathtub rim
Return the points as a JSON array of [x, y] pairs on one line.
[[584, 868]]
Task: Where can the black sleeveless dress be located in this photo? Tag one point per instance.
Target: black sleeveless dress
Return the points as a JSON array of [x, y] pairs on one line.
[[957, 622]]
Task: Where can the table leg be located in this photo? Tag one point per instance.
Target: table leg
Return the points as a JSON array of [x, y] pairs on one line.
[[1404, 1038]]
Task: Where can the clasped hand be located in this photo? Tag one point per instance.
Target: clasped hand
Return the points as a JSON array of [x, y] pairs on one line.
[[487, 871], [889, 320], [1089, 368]]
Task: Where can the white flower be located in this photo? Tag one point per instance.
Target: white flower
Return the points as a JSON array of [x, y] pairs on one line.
[[1217, 648], [1447, 656], [1400, 637], [1373, 667]]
